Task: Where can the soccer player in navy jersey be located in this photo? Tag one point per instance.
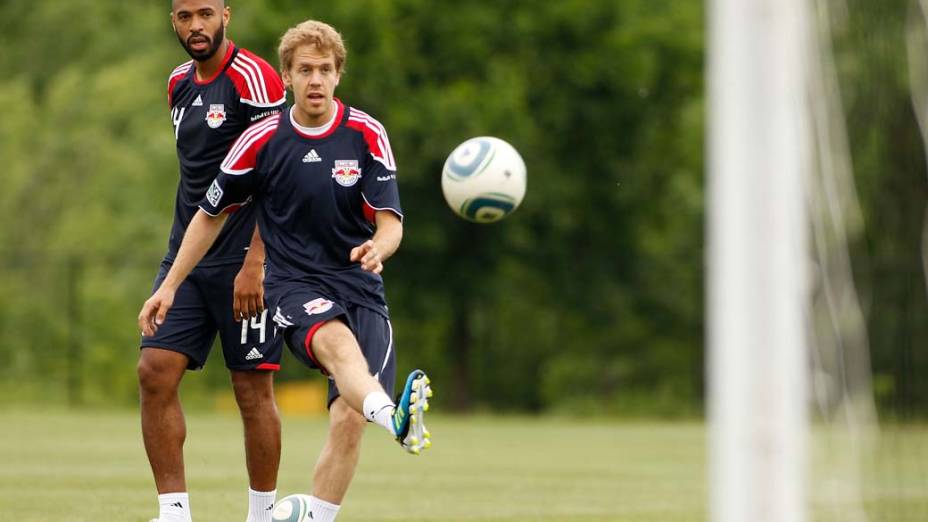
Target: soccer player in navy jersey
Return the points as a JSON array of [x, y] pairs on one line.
[[212, 99], [323, 178]]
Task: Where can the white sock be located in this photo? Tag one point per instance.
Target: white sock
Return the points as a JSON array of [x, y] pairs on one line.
[[322, 511], [175, 507], [379, 408], [261, 505]]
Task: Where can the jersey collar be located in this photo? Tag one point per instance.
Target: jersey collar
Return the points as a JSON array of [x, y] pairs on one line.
[[316, 133]]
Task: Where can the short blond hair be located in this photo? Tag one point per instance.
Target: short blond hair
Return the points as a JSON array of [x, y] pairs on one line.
[[313, 32]]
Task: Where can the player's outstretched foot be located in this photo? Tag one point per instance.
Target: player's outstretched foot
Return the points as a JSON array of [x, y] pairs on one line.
[[408, 419]]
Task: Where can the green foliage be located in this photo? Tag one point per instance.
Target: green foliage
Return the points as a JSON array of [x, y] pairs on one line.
[[588, 298], [593, 281]]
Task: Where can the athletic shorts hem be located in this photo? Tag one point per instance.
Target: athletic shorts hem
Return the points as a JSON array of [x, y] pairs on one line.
[[272, 367], [308, 345], [193, 364]]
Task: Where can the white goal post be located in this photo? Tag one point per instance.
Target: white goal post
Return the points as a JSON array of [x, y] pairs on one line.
[[758, 144]]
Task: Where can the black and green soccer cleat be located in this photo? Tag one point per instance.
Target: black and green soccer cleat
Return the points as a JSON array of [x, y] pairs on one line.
[[408, 419]]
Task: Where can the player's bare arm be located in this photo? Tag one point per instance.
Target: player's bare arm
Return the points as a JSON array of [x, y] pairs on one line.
[[373, 253], [248, 298], [200, 235]]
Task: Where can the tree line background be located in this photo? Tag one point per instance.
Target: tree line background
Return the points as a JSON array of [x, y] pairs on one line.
[[588, 299]]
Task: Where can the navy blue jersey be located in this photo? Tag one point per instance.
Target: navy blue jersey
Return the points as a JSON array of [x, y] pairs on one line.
[[208, 116], [317, 191]]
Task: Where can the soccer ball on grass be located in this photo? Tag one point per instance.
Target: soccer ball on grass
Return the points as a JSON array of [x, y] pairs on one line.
[[292, 508]]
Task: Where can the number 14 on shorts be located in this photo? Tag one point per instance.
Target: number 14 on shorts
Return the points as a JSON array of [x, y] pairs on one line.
[[255, 323]]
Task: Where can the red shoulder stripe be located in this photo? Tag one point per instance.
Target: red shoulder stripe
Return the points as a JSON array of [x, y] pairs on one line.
[[374, 135], [260, 92], [243, 155], [176, 75], [245, 81], [379, 130], [257, 81], [182, 68]]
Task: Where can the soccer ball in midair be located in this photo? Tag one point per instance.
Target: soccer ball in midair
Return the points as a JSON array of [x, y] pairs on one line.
[[292, 508], [483, 179]]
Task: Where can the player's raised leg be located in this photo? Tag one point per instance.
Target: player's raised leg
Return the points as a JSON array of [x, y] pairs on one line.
[[164, 429], [336, 349]]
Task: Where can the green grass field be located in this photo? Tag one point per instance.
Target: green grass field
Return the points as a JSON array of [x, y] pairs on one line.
[[90, 466]]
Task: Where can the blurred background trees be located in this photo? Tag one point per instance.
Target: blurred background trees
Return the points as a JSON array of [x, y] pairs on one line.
[[588, 298]]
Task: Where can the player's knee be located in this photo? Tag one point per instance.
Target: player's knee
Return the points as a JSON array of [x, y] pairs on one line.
[[158, 375], [347, 425], [152, 378], [254, 392]]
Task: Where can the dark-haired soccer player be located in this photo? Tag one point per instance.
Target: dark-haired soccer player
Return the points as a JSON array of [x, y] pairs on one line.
[[323, 177], [212, 99]]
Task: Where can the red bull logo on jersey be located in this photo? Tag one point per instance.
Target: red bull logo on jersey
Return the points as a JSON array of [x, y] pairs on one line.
[[317, 306], [216, 115], [346, 172]]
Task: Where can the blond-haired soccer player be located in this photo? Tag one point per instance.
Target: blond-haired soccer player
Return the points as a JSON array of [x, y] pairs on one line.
[[323, 178]]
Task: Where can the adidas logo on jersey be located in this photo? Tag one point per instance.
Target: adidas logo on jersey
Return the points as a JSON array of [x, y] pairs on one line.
[[198, 102], [253, 354], [312, 157]]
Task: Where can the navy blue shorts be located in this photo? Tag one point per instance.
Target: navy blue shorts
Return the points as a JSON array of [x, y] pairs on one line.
[[202, 308], [300, 309]]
